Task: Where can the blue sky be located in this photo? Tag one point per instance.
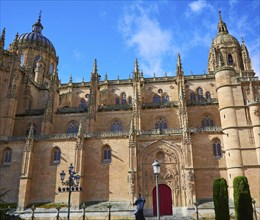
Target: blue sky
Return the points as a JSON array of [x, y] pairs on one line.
[[118, 32]]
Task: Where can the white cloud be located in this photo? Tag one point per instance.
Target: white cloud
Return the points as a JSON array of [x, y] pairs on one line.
[[197, 7], [143, 32]]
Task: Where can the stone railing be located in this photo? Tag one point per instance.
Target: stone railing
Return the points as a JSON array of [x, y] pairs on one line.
[[160, 131], [203, 102], [66, 110], [114, 108], [247, 79], [159, 105], [255, 101], [107, 134], [205, 129], [168, 131]]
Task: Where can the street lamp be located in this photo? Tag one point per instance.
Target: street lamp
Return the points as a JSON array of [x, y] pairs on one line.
[[72, 184], [156, 171]]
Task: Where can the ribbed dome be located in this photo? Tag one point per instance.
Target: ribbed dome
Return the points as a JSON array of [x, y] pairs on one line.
[[226, 39], [35, 38]]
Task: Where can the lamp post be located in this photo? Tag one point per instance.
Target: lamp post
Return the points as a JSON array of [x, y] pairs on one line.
[[73, 181], [156, 171]]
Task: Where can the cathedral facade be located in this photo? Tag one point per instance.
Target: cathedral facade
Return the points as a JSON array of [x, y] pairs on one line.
[[198, 127]]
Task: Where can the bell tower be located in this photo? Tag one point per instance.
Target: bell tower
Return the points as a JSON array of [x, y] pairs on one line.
[[228, 64]]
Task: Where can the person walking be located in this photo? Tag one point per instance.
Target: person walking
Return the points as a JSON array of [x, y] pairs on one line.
[[139, 211]]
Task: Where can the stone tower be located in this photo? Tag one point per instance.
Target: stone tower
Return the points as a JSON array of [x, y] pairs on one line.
[[231, 63]]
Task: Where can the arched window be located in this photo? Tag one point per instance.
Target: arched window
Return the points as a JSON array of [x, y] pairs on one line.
[[7, 156], [208, 96], [72, 127], [165, 99], [28, 127], [56, 155], [83, 103], [230, 59], [117, 101], [130, 100], [22, 59], [156, 99], [161, 123], [51, 68], [207, 121], [116, 126], [200, 94], [107, 154], [192, 98], [123, 98], [217, 152]]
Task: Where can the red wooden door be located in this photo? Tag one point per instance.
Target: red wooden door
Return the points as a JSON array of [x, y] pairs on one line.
[[165, 199]]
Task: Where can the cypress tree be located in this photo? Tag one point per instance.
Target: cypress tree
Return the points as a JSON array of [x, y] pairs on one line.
[[220, 198], [242, 199]]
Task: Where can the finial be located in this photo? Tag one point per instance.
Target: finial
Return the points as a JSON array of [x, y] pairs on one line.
[[95, 66], [243, 42], [82, 79], [117, 77], [136, 66], [80, 130], [31, 131], [70, 78], [219, 14], [154, 75], [179, 65], [3, 38], [105, 77], [40, 16]]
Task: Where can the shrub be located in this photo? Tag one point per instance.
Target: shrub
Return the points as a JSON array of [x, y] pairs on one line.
[[242, 199], [220, 198]]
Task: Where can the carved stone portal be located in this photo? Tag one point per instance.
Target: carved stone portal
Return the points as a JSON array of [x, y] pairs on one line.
[[172, 163]]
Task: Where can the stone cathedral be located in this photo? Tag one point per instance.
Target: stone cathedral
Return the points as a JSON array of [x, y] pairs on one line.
[[198, 127]]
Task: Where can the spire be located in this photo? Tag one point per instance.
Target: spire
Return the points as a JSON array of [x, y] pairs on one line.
[[136, 66], [222, 27], [243, 41], [70, 79], [2, 40], [219, 14], [136, 70], [37, 26], [179, 65], [95, 70]]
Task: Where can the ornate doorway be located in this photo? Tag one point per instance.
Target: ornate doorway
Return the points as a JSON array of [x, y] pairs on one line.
[[165, 199]]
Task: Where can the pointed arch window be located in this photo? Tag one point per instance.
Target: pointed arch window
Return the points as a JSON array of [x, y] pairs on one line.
[[7, 156], [72, 127], [83, 103], [56, 155], [208, 96], [22, 59], [123, 98], [217, 152], [200, 94], [130, 100], [165, 99], [116, 126], [51, 68], [230, 59], [207, 121], [117, 101], [156, 99], [28, 127], [192, 98], [161, 123], [107, 154]]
